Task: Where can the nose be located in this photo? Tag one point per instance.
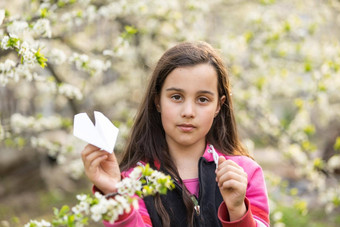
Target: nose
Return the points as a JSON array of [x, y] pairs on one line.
[[188, 110]]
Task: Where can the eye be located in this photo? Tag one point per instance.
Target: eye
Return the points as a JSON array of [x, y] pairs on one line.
[[203, 100], [176, 97]]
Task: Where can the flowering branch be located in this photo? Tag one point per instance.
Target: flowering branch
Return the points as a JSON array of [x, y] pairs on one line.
[[142, 181]]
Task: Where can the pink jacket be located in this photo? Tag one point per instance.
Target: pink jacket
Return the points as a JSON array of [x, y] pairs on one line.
[[256, 200]]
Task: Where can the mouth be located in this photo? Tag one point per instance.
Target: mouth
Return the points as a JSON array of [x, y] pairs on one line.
[[186, 127]]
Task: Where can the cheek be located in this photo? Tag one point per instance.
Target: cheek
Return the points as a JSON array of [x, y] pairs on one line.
[[208, 118], [167, 114]]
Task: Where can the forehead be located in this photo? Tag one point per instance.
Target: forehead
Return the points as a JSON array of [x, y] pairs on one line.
[[200, 77]]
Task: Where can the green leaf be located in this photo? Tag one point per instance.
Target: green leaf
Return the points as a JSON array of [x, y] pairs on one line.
[[336, 201], [55, 211], [70, 221], [308, 66], [129, 32], [147, 171], [9, 142], [64, 210], [12, 42], [337, 144], [61, 3], [267, 2], [299, 103], [294, 191], [80, 14], [312, 28], [318, 163], [301, 206], [309, 130], [21, 142], [322, 87], [44, 13], [7, 13], [40, 58], [260, 82], [249, 35], [287, 26], [308, 146], [66, 123], [84, 221]]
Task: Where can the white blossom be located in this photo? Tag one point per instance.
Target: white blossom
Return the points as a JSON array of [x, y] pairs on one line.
[[108, 53], [4, 42], [126, 186], [51, 148], [7, 66], [43, 28], [136, 173], [27, 53], [17, 27], [83, 206], [81, 197], [20, 123], [42, 223], [79, 60], [57, 56], [93, 66], [96, 217], [70, 91], [333, 163], [91, 13], [294, 151], [111, 10], [75, 168], [277, 216]]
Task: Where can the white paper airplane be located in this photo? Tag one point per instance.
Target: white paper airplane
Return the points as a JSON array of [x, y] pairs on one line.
[[103, 134]]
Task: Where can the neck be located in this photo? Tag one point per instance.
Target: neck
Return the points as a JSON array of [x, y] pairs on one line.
[[186, 158]]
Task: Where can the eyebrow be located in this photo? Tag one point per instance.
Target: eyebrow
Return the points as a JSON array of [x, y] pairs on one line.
[[181, 90]]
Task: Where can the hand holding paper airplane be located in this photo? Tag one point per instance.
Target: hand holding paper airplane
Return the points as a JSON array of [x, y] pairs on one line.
[[103, 134]]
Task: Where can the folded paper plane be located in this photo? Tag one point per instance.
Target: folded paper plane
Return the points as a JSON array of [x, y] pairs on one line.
[[102, 134]]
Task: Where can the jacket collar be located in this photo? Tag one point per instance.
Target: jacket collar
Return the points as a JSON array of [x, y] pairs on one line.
[[208, 155]]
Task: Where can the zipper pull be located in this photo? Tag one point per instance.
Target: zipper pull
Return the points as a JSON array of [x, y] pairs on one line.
[[196, 205], [215, 155]]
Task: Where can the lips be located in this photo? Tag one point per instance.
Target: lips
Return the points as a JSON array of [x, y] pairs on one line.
[[186, 127]]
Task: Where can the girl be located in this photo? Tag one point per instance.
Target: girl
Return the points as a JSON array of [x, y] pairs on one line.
[[186, 112]]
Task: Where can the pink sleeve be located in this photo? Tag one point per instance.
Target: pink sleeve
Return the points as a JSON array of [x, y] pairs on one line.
[[257, 196], [246, 221], [256, 191]]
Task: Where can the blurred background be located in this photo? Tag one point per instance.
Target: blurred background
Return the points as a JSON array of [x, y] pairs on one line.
[[62, 57]]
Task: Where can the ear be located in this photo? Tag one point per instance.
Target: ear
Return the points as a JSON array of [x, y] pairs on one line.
[[220, 103], [157, 103]]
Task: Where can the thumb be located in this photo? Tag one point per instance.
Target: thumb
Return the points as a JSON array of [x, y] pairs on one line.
[[111, 157], [221, 159]]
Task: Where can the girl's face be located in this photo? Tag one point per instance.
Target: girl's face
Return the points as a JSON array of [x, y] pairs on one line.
[[188, 103]]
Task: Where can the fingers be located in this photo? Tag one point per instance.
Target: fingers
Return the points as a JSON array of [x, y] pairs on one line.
[[223, 162], [88, 149], [112, 157], [230, 175], [92, 156]]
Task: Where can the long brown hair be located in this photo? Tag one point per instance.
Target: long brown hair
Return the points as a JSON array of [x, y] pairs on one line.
[[147, 139]]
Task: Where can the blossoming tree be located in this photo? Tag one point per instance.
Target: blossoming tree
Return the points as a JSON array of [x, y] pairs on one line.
[[62, 57]]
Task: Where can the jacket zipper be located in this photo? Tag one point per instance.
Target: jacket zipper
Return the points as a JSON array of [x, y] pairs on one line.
[[195, 200], [197, 205]]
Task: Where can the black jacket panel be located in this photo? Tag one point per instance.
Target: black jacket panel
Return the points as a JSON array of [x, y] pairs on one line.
[[209, 200]]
